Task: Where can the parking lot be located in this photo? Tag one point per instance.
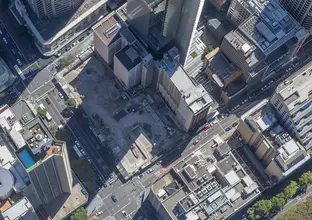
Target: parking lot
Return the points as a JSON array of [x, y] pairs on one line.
[[120, 122]]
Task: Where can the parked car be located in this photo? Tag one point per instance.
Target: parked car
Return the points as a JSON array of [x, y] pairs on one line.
[[113, 198], [13, 51], [84, 192], [234, 124], [19, 62], [61, 95], [62, 121], [228, 129], [206, 127], [99, 213], [48, 100], [124, 214], [5, 40]]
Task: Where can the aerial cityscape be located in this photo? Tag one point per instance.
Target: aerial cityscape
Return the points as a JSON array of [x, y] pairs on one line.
[[155, 109]]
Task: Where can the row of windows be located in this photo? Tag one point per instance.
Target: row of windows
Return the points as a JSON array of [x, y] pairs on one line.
[[304, 117]]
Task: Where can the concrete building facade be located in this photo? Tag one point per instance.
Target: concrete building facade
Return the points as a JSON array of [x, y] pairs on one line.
[[107, 40], [239, 11], [190, 103], [292, 101], [51, 176], [155, 22], [49, 41], [52, 8], [301, 10], [276, 150], [260, 45]]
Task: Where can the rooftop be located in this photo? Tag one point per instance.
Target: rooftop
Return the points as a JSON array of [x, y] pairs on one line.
[[129, 57], [204, 183], [268, 29], [31, 160], [20, 210], [108, 29], [296, 88], [36, 134]]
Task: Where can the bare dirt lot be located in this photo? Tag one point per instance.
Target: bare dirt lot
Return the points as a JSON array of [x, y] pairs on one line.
[[115, 115]]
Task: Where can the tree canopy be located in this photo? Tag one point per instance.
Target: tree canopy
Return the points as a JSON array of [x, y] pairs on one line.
[[80, 214], [71, 103], [290, 190], [42, 112], [305, 179], [278, 201], [260, 209]]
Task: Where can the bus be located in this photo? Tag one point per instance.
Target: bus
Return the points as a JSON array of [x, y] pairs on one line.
[[19, 72], [79, 154], [48, 116]]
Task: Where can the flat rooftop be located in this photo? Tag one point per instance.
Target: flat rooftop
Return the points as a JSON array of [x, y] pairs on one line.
[[205, 184], [297, 83], [270, 26], [20, 210], [108, 29], [129, 57], [36, 134], [139, 154]]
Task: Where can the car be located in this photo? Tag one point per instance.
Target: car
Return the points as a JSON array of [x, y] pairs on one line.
[[5, 40], [0, 32], [234, 124], [140, 176], [84, 192], [124, 213], [228, 129], [89, 160], [77, 143], [13, 51], [99, 213], [19, 62], [8, 35], [60, 95], [48, 100], [113, 198], [206, 127], [62, 121], [195, 142], [83, 152], [105, 185], [150, 170]]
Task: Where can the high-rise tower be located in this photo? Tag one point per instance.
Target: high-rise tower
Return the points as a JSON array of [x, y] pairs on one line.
[[301, 10], [155, 21], [52, 8]]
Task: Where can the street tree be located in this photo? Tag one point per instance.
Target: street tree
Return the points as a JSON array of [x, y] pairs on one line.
[[42, 112], [80, 214], [278, 201], [260, 209], [290, 190], [53, 128], [305, 179], [71, 103]]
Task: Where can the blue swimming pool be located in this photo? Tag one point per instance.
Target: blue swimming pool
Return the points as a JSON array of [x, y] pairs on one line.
[[26, 159]]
